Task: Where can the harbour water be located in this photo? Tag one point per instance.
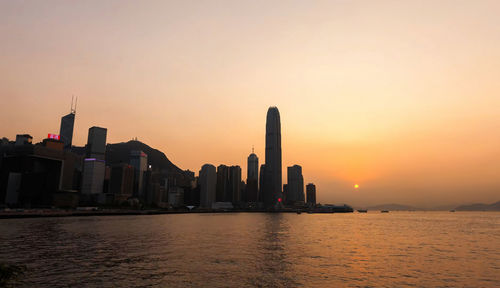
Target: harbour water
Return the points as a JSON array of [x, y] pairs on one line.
[[396, 249]]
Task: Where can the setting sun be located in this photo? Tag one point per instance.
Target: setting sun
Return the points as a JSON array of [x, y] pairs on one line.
[[356, 186]]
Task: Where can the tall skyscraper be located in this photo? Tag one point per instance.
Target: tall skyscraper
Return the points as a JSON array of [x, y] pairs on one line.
[[67, 124], [273, 175], [222, 188], [252, 187], [139, 160], [94, 166], [96, 143], [235, 184], [295, 185], [311, 194], [208, 181]]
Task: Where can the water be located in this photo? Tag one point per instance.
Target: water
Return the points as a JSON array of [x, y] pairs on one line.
[[421, 249]]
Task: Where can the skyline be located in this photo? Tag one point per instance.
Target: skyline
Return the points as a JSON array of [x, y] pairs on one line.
[[407, 111]]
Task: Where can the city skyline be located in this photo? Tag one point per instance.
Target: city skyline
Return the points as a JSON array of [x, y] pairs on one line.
[[406, 111]]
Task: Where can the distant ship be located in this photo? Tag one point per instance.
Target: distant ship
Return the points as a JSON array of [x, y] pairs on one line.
[[384, 211], [362, 210], [452, 210]]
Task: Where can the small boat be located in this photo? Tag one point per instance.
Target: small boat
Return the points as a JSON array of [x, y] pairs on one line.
[[384, 211], [452, 210], [298, 212], [362, 210]]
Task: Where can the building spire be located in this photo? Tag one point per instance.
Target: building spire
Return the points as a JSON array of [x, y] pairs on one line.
[[252, 148]]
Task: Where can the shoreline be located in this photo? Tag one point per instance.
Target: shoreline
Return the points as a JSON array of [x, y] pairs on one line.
[[120, 212]]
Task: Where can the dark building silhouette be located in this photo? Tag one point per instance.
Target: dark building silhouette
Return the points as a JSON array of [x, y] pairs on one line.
[[223, 184], [66, 130], [235, 184], [295, 185], [94, 167], [139, 160], [311, 194], [207, 182], [39, 175], [121, 182], [252, 187], [272, 190]]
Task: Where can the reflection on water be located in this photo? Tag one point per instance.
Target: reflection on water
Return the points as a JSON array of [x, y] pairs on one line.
[[265, 250]]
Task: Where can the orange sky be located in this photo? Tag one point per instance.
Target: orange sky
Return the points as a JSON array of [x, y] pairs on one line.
[[401, 97]]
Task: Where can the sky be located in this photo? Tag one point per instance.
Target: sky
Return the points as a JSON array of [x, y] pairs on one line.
[[400, 97]]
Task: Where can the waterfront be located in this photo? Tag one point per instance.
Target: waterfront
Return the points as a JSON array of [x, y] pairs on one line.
[[422, 249]]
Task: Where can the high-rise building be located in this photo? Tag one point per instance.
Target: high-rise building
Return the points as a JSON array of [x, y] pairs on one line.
[[222, 187], [96, 143], [252, 187], [139, 160], [93, 176], [295, 185], [235, 184], [94, 166], [23, 139], [311, 194], [272, 189], [66, 130], [207, 181]]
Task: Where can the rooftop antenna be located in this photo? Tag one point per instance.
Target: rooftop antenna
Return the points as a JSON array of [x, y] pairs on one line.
[[71, 109], [76, 102], [252, 148]]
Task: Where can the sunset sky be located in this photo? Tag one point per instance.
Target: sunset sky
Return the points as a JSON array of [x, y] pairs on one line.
[[400, 97]]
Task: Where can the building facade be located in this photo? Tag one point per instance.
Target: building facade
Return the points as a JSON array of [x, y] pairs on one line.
[[311, 194], [295, 185], [208, 183], [272, 190]]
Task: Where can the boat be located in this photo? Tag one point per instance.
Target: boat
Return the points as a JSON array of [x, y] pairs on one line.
[[384, 211], [362, 210], [298, 212], [452, 210]]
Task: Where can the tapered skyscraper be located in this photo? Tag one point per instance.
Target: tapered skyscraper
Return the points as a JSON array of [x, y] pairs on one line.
[[272, 182]]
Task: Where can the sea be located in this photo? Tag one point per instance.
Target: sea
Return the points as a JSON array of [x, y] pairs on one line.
[[396, 249]]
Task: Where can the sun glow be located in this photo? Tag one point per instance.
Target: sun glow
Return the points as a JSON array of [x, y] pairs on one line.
[[356, 186]]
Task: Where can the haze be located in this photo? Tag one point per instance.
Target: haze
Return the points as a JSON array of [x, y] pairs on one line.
[[400, 97]]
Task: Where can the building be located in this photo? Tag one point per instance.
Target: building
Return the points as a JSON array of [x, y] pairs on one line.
[[121, 182], [93, 177], [94, 166], [222, 187], [23, 139], [139, 160], [272, 190], [235, 184], [311, 194], [175, 196], [66, 130], [252, 187], [96, 143], [38, 175], [208, 183], [295, 185]]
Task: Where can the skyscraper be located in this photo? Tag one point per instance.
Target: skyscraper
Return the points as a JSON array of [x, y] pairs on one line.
[[66, 130], [252, 188], [295, 185], [94, 165], [311, 194], [96, 143], [273, 176], [235, 184], [222, 187], [139, 160], [207, 180]]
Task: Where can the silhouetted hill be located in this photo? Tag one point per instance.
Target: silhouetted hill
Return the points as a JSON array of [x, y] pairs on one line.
[[393, 207], [120, 153], [480, 207]]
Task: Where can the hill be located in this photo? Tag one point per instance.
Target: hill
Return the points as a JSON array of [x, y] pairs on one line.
[[393, 207], [480, 207]]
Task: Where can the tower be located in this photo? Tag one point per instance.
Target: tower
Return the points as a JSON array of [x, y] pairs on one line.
[[272, 189], [67, 124], [295, 185], [252, 178], [208, 181]]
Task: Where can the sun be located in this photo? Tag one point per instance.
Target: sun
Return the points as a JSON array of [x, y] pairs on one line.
[[356, 186]]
